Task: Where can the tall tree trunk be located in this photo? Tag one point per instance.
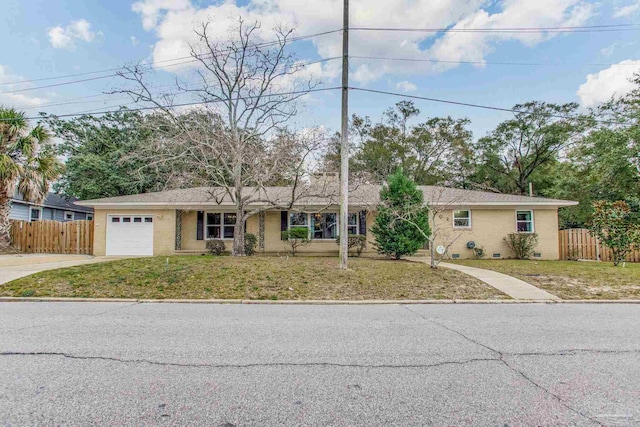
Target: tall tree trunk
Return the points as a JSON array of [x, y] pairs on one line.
[[238, 235], [5, 225]]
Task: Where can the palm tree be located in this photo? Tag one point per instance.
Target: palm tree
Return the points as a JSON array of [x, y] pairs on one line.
[[27, 164]]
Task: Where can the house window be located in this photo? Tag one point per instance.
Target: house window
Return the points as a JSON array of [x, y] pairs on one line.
[[353, 224], [115, 219], [324, 225], [89, 217], [35, 213], [69, 216], [462, 219], [524, 221], [126, 219], [220, 225]]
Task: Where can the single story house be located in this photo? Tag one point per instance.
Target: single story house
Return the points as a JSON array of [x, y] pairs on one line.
[[181, 221], [53, 208]]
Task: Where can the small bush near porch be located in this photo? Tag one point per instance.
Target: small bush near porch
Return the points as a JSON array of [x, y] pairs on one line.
[[206, 277]]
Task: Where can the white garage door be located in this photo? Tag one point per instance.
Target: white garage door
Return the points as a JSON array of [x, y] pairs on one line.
[[130, 235]]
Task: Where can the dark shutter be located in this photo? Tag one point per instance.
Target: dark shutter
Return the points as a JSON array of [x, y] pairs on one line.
[[200, 226], [284, 222], [363, 223]]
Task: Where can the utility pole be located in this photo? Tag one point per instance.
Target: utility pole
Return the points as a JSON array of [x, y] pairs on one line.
[[344, 145]]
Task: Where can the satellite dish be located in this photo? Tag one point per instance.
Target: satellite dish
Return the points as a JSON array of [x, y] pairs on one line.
[[440, 250]]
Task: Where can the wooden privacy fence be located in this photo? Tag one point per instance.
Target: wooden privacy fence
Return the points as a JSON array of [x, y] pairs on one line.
[[52, 237], [578, 243]]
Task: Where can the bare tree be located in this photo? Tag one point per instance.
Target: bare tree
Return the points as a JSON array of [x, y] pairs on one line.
[[235, 142]]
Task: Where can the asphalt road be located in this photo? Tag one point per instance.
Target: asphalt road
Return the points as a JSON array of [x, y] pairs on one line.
[[230, 365]]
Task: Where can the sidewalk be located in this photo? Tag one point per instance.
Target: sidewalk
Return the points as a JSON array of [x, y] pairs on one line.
[[515, 288], [16, 266]]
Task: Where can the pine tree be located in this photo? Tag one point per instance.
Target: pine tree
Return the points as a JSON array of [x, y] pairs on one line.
[[402, 224]]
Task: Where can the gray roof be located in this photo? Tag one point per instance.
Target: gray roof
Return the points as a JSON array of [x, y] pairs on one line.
[[363, 195], [56, 201]]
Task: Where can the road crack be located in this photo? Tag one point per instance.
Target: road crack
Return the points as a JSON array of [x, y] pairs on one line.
[[250, 365], [501, 359]]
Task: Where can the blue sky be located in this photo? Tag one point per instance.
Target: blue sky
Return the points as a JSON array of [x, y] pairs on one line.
[[50, 38]]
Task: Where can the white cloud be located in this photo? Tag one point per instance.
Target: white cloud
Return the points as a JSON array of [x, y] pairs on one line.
[[151, 10], [628, 10], [173, 21], [458, 46], [66, 37], [134, 41], [406, 86], [17, 100], [613, 81]]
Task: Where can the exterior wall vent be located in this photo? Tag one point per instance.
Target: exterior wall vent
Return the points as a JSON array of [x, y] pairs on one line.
[[537, 255], [496, 255], [455, 256]]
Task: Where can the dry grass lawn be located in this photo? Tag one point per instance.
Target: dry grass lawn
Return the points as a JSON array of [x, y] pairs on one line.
[[253, 278], [571, 279]]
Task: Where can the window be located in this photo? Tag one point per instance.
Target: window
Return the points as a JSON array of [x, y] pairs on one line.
[[298, 219], [35, 213], [69, 216], [126, 219], [137, 219], [324, 225], [115, 219], [220, 225], [148, 219], [89, 217], [229, 225], [462, 219], [524, 221], [353, 223]]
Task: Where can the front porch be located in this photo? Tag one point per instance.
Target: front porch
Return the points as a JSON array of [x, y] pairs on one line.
[[193, 228]]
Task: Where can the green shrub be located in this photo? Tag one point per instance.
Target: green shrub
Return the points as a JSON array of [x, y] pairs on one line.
[[216, 247], [615, 225], [295, 238], [522, 245], [250, 243], [402, 224], [355, 241]]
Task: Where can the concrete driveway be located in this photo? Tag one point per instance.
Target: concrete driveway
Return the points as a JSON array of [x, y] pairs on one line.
[[15, 266], [396, 365]]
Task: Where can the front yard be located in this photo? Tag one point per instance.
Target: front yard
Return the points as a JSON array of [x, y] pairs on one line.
[[252, 278], [571, 279]]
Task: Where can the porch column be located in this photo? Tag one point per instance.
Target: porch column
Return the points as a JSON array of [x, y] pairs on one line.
[[261, 216], [178, 229]]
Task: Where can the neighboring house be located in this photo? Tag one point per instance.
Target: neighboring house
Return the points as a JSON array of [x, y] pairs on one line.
[[54, 208], [181, 221]]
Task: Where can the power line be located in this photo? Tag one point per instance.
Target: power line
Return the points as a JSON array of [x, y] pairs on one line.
[[87, 80], [185, 104], [151, 66], [466, 104], [69, 101], [566, 29], [381, 58]]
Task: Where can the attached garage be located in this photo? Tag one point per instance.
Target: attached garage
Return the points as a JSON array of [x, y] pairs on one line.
[[129, 235]]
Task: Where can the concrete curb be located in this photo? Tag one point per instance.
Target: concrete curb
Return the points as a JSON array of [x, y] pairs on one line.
[[311, 302]]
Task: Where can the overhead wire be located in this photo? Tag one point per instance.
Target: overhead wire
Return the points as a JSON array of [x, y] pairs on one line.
[[149, 67], [185, 104]]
